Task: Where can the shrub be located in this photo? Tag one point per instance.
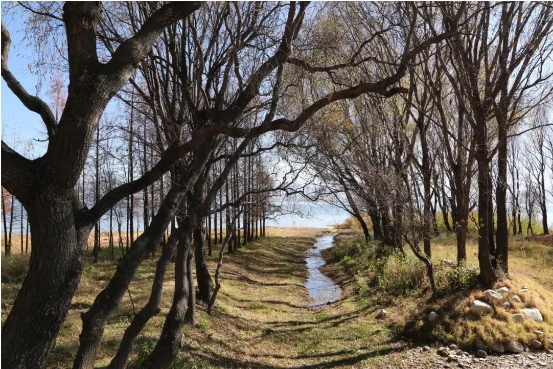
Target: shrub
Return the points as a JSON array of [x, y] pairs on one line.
[[14, 268], [457, 278]]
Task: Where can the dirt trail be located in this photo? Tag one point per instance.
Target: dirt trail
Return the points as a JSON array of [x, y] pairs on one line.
[[261, 319]]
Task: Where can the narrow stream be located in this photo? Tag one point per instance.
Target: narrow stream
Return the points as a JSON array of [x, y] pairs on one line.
[[322, 289]]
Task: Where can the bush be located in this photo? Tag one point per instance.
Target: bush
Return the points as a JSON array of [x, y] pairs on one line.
[[457, 278], [355, 249], [14, 268]]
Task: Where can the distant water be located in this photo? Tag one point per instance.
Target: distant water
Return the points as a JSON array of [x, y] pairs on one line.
[[308, 215], [321, 289]]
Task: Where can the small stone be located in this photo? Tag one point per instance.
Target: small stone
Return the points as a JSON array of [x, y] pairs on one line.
[[506, 305], [518, 318], [542, 363], [480, 308], [538, 332], [481, 354], [433, 317], [442, 351], [533, 313], [515, 347], [426, 348], [450, 358], [503, 290], [492, 295], [517, 298], [382, 314], [453, 347], [536, 345], [524, 290], [480, 345], [497, 347]]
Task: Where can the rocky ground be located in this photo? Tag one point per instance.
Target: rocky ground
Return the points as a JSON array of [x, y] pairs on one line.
[[437, 358]]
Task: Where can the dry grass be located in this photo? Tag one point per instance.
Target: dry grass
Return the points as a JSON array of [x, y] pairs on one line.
[[531, 263], [261, 318]]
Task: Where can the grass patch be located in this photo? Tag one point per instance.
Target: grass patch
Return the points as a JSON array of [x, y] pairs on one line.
[[398, 282]]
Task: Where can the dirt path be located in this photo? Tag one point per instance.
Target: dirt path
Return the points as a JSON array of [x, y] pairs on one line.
[[261, 320]]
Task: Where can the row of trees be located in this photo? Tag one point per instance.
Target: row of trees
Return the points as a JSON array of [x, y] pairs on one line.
[[471, 134], [209, 89]]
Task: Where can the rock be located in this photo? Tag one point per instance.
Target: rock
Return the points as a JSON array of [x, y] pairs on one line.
[[450, 358], [524, 290], [433, 317], [480, 308], [532, 313], [538, 332], [481, 354], [506, 305], [480, 345], [453, 347], [503, 290], [497, 347], [517, 298], [426, 348], [542, 363], [492, 295], [515, 347], [442, 351], [536, 345], [518, 318], [382, 314]]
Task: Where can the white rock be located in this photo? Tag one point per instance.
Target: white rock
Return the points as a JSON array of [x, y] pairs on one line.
[[491, 294], [517, 298], [433, 317], [515, 347], [532, 313], [453, 347], [382, 314], [538, 332], [480, 308], [506, 305], [524, 290], [518, 318], [503, 290]]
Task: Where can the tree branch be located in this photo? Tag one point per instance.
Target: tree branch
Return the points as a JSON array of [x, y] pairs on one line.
[[33, 103]]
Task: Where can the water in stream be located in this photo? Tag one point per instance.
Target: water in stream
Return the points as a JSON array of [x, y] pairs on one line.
[[322, 289]]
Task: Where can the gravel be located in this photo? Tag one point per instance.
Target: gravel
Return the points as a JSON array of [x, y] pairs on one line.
[[420, 358]]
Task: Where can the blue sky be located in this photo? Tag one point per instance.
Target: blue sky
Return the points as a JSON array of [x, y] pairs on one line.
[[17, 120]]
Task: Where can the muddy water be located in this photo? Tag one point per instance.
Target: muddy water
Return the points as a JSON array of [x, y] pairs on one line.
[[322, 289]]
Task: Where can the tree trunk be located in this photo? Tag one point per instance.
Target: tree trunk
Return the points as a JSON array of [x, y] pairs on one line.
[[148, 311], [57, 260], [502, 237], [487, 274], [170, 340]]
